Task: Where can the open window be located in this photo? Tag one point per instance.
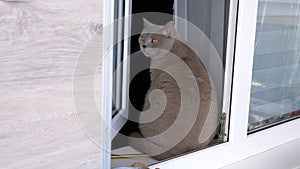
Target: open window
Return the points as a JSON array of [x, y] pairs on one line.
[[204, 25], [252, 58]]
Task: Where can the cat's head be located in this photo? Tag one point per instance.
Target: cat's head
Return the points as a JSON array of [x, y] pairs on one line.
[[157, 40]]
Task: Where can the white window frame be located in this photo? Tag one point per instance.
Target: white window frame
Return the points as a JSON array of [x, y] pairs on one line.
[[240, 145], [120, 119]]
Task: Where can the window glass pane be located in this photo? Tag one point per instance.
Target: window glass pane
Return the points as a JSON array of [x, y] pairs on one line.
[[118, 57], [275, 91]]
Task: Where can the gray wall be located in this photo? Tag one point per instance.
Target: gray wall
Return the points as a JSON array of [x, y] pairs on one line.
[[209, 17]]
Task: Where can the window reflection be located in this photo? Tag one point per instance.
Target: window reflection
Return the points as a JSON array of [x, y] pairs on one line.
[[275, 91]]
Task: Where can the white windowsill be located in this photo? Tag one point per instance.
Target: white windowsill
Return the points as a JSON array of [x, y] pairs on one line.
[[285, 156]]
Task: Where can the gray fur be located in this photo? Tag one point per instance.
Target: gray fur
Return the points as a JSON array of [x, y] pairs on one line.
[[204, 128]]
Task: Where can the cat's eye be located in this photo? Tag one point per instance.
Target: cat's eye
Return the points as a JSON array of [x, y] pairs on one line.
[[143, 38], [154, 41]]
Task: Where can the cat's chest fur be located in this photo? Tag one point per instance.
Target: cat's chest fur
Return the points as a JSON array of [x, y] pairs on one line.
[[167, 74]]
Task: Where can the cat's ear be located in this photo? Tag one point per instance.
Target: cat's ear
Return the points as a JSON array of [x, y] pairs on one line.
[[169, 29], [147, 23]]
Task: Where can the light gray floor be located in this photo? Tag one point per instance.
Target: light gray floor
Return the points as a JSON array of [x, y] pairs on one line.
[[40, 41]]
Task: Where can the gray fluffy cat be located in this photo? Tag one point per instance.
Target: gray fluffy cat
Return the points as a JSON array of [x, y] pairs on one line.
[[161, 43]]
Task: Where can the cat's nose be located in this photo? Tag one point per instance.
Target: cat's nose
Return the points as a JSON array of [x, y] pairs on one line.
[[144, 46]]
